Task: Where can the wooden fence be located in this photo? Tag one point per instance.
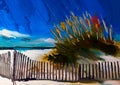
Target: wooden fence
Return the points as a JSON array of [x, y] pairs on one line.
[[27, 69], [23, 69], [5, 65]]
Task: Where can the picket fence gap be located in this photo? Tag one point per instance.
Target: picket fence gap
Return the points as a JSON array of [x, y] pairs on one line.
[[25, 69]]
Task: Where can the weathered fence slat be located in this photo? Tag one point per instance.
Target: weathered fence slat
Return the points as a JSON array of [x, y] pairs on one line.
[[20, 69], [92, 71], [112, 70], [118, 71], [102, 71], [39, 77], [44, 70], [82, 71], [14, 66], [18, 65], [27, 72], [79, 72], [66, 69], [22, 66], [69, 72], [75, 73], [56, 71], [96, 71], [115, 71], [24, 72], [41, 70], [30, 69], [106, 74], [47, 71], [37, 72], [33, 69], [99, 70], [50, 71]]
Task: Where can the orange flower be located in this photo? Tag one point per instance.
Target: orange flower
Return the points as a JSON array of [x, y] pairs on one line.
[[97, 27]]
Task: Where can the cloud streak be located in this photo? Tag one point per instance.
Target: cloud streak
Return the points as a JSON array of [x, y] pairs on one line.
[[12, 34]]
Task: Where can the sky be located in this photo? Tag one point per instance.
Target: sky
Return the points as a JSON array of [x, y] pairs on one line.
[[28, 22]]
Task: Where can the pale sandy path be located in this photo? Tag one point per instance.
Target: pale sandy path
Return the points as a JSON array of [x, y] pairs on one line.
[[4, 81]]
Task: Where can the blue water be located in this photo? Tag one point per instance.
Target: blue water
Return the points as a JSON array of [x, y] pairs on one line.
[[26, 42]]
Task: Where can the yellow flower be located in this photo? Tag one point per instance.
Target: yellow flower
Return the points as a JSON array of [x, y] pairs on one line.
[[69, 23], [58, 31], [63, 26]]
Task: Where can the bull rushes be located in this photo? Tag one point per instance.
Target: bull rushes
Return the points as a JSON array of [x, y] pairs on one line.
[[82, 37]]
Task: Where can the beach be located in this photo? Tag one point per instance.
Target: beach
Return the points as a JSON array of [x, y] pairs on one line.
[[5, 81]]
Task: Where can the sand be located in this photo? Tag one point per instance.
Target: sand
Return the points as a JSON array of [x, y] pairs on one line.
[[5, 81]]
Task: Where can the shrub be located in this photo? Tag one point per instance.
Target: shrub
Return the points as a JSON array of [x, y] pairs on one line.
[[82, 37]]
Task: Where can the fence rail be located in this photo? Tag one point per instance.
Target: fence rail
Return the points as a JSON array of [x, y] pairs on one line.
[[26, 69]]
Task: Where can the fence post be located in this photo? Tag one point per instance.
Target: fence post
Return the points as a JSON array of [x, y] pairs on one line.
[[14, 60]]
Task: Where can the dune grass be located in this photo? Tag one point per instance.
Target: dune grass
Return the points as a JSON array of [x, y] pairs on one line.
[[78, 35]]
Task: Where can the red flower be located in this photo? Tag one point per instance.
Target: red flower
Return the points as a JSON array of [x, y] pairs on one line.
[[96, 22]]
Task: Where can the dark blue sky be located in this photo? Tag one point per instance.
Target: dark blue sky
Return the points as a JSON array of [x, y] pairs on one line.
[[36, 17]]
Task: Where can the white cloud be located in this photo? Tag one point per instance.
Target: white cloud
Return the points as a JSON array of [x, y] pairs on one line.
[[43, 40], [50, 40], [11, 34]]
